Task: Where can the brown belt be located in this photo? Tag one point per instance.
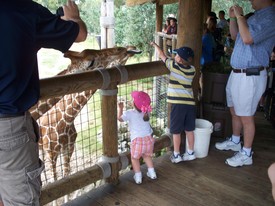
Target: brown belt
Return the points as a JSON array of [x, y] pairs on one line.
[[244, 70]]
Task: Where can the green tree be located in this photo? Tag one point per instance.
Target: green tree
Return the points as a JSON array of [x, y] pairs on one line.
[[90, 13], [218, 5], [170, 9], [136, 26]]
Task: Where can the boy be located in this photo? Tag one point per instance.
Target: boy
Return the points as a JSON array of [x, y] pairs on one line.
[[180, 95]]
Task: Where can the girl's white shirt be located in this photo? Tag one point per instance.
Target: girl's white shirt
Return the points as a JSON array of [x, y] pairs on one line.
[[137, 126]]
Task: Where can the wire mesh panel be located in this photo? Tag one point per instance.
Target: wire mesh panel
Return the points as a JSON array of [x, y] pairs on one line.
[[71, 131], [156, 88], [71, 137]]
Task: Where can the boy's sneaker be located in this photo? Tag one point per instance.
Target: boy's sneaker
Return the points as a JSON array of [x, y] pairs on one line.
[[176, 159], [138, 179], [188, 157], [228, 144], [152, 175], [239, 159]]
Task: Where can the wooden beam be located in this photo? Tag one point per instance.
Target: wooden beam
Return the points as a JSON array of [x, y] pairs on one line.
[[139, 2], [88, 176], [163, 2], [72, 83], [136, 2]]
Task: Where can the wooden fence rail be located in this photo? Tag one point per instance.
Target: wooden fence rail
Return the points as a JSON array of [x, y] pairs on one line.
[[106, 80]]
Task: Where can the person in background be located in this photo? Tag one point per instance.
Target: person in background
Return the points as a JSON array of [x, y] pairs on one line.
[[180, 95], [142, 142], [28, 26], [172, 29], [255, 39], [208, 46], [222, 22], [217, 34], [271, 175], [166, 25]]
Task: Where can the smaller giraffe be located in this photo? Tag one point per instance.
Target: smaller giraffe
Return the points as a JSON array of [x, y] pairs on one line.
[[58, 133]]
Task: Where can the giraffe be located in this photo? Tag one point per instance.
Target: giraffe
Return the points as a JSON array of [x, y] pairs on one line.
[[57, 129], [86, 60]]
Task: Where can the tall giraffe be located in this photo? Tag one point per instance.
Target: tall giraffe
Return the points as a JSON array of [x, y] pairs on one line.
[[84, 61], [58, 133]]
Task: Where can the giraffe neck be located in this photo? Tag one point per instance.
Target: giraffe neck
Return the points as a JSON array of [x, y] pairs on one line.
[[72, 104]]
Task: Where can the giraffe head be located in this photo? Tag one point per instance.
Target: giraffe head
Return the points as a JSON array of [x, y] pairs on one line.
[[90, 59]]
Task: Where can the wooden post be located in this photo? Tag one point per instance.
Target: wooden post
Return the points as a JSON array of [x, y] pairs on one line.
[[174, 44], [207, 8], [190, 33], [111, 25], [165, 49], [102, 27], [109, 129], [159, 17], [107, 22]]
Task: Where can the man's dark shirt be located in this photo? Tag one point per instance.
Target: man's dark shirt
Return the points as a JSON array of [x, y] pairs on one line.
[[25, 28]]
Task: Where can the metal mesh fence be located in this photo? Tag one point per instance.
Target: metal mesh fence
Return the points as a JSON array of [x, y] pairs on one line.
[[87, 144]]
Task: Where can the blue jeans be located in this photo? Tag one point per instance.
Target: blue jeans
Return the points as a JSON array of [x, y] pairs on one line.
[[20, 166]]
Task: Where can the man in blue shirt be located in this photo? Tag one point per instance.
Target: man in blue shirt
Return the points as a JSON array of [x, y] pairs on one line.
[[255, 39], [25, 28]]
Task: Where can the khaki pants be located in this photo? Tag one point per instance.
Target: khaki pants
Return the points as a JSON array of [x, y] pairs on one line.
[[20, 166]]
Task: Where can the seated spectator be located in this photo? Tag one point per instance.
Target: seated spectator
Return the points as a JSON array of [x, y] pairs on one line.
[[222, 24], [208, 45], [172, 29]]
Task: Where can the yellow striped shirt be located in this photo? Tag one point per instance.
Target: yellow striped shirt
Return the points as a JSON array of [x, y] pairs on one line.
[[180, 83]]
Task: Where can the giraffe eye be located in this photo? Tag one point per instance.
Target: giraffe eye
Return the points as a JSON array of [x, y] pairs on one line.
[[91, 63]]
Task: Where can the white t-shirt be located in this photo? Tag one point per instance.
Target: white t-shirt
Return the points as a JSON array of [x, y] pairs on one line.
[[138, 127]]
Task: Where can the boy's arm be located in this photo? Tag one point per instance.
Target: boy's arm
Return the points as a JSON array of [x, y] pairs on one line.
[[161, 54]]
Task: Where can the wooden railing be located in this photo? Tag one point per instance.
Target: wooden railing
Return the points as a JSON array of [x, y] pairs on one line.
[[107, 81], [166, 42]]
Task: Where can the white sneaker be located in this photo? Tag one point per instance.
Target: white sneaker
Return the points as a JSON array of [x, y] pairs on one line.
[[239, 159], [152, 175], [228, 144], [188, 157], [176, 159], [138, 178]]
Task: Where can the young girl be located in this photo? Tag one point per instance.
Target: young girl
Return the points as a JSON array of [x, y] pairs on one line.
[[142, 142]]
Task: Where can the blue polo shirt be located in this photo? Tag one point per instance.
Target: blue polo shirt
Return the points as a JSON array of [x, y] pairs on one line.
[[25, 28], [262, 29]]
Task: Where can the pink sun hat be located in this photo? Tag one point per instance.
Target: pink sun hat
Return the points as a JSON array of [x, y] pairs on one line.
[[142, 101]]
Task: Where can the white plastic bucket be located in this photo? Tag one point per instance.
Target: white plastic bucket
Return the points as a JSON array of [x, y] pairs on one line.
[[202, 134]]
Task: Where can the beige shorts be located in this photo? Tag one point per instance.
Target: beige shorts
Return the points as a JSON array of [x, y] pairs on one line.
[[20, 166], [244, 92]]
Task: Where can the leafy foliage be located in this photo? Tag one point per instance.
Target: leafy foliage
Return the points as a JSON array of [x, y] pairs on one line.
[[224, 5], [136, 26]]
